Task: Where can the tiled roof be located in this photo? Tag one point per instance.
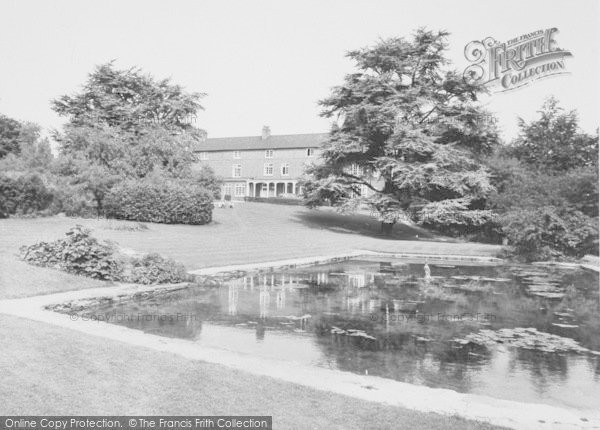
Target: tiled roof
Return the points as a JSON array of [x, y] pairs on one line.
[[312, 140]]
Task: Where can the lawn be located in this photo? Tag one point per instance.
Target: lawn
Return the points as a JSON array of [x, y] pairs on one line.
[[50, 370], [248, 233]]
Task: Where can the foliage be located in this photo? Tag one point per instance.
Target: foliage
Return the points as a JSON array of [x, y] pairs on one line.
[[73, 201], [33, 155], [125, 126], [154, 269], [411, 133], [205, 177], [79, 253], [130, 101], [521, 187], [85, 185], [9, 136], [547, 188], [160, 200], [23, 195], [549, 232], [554, 142], [128, 154]]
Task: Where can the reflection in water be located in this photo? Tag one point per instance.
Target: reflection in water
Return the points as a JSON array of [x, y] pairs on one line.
[[232, 301], [386, 318]]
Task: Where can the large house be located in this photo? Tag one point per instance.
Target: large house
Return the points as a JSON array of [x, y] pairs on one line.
[[261, 166]]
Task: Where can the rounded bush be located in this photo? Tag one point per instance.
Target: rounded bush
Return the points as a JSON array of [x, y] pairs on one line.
[[169, 202]]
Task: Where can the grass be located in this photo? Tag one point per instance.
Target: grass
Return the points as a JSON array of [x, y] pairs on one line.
[[78, 375], [250, 232], [50, 370]]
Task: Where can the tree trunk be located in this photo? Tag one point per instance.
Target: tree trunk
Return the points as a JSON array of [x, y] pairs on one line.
[[99, 207], [386, 228]]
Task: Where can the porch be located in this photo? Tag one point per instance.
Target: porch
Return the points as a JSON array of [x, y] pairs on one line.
[[267, 189]]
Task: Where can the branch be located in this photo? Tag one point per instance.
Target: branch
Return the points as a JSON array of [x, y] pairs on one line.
[[361, 181]]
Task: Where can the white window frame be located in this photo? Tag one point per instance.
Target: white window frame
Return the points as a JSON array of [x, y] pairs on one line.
[[237, 155], [285, 169], [233, 171], [355, 170], [227, 190], [269, 153], [310, 152], [204, 155], [239, 190], [266, 168]]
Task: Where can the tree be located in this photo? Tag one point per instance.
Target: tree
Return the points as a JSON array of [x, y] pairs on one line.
[[547, 187], [124, 125], [130, 101], [34, 153], [410, 132], [554, 141], [10, 130]]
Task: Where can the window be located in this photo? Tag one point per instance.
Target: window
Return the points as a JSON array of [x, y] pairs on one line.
[[268, 169], [355, 170], [227, 190], [236, 170], [285, 169], [236, 154], [269, 153], [240, 190], [204, 155], [310, 152]]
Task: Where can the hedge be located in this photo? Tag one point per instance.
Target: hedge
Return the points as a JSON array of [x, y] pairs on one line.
[[275, 200], [168, 202]]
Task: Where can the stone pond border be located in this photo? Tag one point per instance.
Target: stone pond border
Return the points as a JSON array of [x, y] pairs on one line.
[[307, 261], [502, 412]]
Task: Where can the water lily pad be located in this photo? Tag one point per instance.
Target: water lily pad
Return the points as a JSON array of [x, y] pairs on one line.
[[526, 338]]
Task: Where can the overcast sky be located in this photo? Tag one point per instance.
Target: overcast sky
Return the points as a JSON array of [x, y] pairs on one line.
[[269, 62]]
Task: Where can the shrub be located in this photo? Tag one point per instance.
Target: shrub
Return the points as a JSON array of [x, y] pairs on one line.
[[9, 196], [169, 201], [154, 269], [550, 232], [79, 254], [24, 195]]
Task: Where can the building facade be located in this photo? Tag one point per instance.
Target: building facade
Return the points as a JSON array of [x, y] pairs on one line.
[[261, 166]]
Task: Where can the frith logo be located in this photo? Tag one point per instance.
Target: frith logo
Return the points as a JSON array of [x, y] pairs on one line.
[[516, 63]]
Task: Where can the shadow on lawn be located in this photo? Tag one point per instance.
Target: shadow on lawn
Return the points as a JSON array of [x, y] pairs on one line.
[[360, 224]]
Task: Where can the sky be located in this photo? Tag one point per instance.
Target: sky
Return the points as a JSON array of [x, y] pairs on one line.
[[269, 62]]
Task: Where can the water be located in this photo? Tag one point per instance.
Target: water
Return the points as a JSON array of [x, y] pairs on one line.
[[384, 318]]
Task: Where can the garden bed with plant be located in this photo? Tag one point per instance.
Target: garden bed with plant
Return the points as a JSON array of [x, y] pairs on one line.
[[82, 254]]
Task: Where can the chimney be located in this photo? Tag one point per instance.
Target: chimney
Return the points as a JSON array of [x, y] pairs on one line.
[[266, 132]]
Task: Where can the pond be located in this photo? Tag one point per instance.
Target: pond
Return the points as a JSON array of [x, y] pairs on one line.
[[523, 333]]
